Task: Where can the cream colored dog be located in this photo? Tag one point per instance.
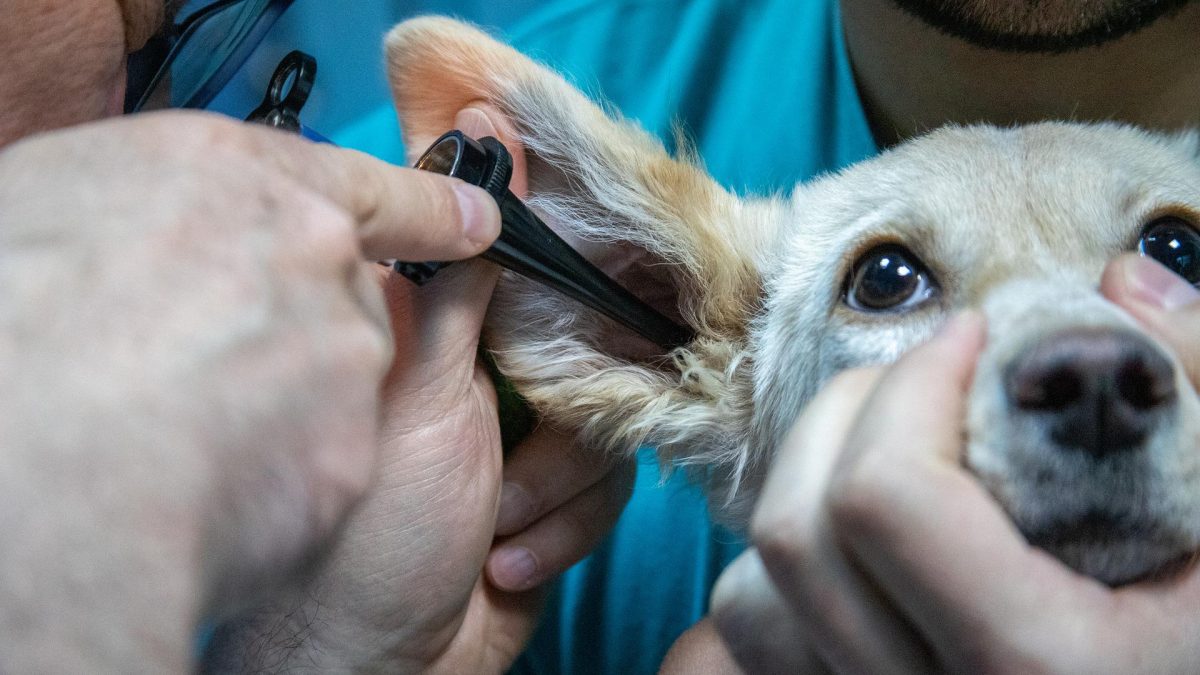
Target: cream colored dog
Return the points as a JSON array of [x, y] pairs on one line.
[[1080, 424]]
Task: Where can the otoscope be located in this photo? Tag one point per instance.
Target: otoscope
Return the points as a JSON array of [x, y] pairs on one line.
[[530, 248], [526, 245]]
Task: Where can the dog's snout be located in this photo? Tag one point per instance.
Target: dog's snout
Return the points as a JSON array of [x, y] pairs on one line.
[[1097, 389]]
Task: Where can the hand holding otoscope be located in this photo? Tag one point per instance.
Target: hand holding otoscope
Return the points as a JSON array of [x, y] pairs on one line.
[[530, 248], [526, 245]]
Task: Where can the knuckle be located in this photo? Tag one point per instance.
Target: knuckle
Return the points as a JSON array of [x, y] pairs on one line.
[[435, 201], [321, 228], [728, 614], [197, 133], [730, 593], [783, 537], [370, 349], [368, 295], [227, 140], [858, 497], [345, 476], [355, 348]]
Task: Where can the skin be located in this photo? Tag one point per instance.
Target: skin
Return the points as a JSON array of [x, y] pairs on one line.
[[1147, 78], [876, 566], [159, 567], [856, 564], [281, 380], [436, 511]]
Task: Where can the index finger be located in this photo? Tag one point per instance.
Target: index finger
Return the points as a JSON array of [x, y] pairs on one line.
[[400, 213]]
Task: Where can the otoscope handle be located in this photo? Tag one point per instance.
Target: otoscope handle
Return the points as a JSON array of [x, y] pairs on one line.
[[530, 248]]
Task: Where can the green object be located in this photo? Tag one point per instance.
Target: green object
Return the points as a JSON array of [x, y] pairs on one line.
[[517, 419]]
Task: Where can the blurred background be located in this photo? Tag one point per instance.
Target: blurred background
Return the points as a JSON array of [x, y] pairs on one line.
[[350, 103]]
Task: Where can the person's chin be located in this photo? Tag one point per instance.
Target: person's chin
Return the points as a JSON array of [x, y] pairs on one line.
[[1039, 30]]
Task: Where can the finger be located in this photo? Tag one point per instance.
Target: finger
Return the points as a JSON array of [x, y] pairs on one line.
[[849, 624], [700, 651], [400, 213], [756, 624], [1162, 301], [543, 472], [923, 528], [1158, 617], [442, 319], [563, 537]]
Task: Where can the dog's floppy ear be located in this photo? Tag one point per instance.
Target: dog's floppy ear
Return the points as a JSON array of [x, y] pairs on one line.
[[605, 182]]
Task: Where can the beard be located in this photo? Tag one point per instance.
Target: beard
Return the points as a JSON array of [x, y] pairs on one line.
[[1052, 26]]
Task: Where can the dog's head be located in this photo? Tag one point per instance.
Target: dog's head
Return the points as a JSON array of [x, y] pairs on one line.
[[1080, 424]]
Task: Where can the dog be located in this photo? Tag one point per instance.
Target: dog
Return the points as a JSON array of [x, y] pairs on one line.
[[1082, 426]]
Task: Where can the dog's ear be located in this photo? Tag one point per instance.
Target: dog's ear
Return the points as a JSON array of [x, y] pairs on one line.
[[605, 183]]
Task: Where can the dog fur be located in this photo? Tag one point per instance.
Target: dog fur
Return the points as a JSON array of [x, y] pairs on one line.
[[1019, 222]]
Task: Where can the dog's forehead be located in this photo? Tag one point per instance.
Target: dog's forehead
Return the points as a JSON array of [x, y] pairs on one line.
[[1052, 193]]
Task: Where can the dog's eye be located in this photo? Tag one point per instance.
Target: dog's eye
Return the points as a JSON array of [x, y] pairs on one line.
[[1174, 243], [888, 277]]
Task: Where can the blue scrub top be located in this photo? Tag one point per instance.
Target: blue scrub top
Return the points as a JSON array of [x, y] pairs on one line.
[[763, 87]]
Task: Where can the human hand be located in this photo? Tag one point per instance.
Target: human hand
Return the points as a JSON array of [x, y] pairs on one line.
[[405, 589], [1162, 302], [877, 552], [557, 502], [192, 347]]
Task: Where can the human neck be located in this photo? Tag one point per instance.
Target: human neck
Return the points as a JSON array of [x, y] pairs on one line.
[[913, 78]]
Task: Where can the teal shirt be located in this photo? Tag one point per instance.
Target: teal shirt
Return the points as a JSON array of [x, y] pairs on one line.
[[765, 90]]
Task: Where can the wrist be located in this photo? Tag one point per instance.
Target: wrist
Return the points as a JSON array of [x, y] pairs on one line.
[[303, 636]]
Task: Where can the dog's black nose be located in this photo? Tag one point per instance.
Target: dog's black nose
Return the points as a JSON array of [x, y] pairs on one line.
[[1097, 389]]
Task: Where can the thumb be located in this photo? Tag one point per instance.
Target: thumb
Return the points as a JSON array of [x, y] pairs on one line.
[[1162, 301], [441, 321]]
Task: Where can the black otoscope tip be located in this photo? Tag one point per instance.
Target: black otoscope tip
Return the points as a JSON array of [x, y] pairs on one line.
[[530, 248]]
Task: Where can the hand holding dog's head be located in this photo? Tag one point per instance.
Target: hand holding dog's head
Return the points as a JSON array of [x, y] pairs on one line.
[[854, 269]]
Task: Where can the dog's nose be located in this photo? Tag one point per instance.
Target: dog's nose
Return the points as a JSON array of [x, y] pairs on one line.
[[1098, 389]]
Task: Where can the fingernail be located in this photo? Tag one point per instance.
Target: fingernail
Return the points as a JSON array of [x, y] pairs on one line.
[[513, 569], [1156, 285], [516, 508], [480, 215]]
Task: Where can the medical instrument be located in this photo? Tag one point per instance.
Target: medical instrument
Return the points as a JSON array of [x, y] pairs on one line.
[[287, 92], [530, 248], [525, 245]]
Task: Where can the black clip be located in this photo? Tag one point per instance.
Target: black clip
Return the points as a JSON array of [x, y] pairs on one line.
[[287, 92]]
